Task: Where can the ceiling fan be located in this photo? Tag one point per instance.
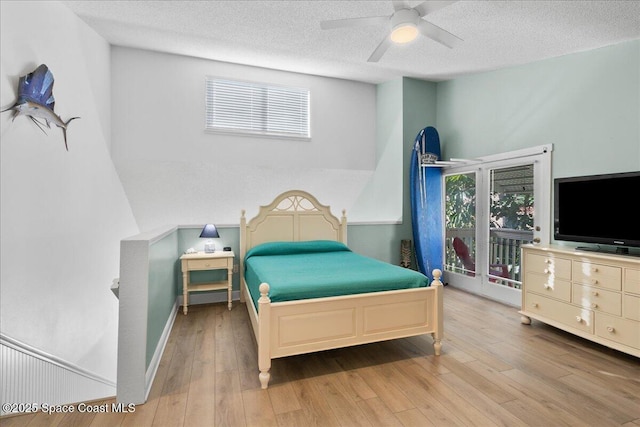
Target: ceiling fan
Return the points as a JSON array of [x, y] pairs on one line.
[[405, 25]]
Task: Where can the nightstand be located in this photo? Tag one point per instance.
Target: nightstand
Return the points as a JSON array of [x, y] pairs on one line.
[[206, 261]]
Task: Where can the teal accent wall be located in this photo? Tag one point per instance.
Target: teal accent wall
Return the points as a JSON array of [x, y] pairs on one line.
[[586, 104], [419, 111], [164, 268], [404, 107]]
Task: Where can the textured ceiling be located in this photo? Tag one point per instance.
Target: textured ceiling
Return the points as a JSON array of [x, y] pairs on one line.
[[286, 35]]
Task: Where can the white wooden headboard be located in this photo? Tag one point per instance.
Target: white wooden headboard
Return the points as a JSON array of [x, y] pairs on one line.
[[293, 216]]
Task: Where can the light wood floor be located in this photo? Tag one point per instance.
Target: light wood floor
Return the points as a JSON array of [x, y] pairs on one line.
[[493, 371]]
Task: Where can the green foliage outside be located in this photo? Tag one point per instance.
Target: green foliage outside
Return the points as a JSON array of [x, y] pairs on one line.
[[511, 211], [508, 211], [460, 211]]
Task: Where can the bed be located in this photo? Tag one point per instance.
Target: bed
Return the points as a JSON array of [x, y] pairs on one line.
[[315, 319]]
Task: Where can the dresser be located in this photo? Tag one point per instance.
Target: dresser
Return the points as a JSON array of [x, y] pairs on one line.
[[590, 294]]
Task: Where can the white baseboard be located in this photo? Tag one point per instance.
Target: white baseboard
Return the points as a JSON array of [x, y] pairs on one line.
[[157, 354]]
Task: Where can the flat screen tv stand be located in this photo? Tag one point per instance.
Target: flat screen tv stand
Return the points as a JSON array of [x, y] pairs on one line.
[[590, 294]]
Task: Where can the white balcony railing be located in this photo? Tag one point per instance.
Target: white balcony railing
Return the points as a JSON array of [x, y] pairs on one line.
[[503, 248]]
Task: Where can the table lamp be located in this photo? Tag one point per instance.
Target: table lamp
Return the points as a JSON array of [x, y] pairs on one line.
[[209, 232]]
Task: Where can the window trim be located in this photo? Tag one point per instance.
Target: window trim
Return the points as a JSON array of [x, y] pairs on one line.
[[249, 132]]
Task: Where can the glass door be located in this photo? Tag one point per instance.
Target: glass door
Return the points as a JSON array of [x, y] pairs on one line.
[[511, 213], [460, 224], [492, 207]]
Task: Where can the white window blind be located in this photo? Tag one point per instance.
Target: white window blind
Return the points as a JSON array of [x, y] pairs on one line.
[[255, 108]]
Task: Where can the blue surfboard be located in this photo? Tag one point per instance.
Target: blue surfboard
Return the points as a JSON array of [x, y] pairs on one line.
[[426, 201]]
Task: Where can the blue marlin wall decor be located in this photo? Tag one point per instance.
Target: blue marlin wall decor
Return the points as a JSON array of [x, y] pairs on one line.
[[36, 101]]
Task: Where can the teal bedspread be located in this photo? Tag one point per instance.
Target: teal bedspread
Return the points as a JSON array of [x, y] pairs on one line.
[[321, 268]]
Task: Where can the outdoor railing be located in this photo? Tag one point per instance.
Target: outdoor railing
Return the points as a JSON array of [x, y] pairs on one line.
[[504, 253]]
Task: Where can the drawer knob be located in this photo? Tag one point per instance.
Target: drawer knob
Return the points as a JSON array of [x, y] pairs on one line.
[[610, 329], [595, 293], [535, 304], [547, 261], [546, 271], [578, 319], [546, 286], [594, 281], [594, 305], [594, 269]]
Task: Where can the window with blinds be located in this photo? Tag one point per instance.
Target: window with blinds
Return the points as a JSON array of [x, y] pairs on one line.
[[254, 108]]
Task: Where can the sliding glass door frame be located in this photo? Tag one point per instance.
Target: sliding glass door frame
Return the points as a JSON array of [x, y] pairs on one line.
[[482, 282]]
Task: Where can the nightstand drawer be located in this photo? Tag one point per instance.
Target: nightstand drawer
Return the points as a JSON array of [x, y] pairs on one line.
[[558, 268], [570, 315], [620, 330], [597, 275], [548, 286], [597, 299], [206, 264]]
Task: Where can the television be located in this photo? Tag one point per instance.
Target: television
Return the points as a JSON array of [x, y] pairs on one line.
[[598, 209]]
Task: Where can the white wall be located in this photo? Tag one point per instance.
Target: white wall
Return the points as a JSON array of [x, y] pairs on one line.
[[63, 213], [176, 173]]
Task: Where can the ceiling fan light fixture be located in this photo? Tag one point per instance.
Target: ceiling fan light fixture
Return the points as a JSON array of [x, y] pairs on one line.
[[404, 26], [404, 33]]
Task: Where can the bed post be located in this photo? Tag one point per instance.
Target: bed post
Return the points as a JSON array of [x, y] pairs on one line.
[[343, 227], [243, 250], [439, 332], [264, 335]]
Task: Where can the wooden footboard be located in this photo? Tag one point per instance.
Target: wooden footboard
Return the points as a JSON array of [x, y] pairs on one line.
[[298, 327]]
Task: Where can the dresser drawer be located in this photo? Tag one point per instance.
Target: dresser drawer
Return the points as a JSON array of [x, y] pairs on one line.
[[623, 331], [545, 284], [206, 264], [570, 315], [603, 276], [631, 307], [597, 299], [558, 268], [632, 280]]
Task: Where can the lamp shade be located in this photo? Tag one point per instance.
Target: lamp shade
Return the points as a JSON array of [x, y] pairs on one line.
[[209, 231]]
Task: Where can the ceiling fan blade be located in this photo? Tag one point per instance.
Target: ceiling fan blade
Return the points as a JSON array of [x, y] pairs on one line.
[[398, 5], [438, 34], [380, 50], [426, 7], [353, 22]]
